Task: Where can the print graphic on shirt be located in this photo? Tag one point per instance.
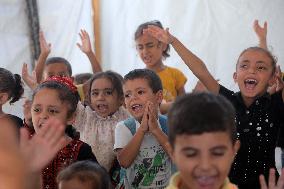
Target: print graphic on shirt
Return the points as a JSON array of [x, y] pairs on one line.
[[147, 171]]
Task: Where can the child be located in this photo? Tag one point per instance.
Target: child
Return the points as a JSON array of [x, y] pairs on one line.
[[97, 122], [258, 115], [57, 98], [11, 88], [141, 142], [152, 52], [203, 141], [84, 175]]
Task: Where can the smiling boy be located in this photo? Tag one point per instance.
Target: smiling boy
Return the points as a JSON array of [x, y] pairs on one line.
[[203, 141]]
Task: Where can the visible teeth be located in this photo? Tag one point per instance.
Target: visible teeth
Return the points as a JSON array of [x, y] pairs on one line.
[[134, 107], [250, 81]]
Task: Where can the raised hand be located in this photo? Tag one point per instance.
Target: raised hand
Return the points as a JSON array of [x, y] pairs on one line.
[[85, 47], [261, 32], [279, 79], [30, 80], [45, 47], [44, 145], [271, 181], [160, 34]]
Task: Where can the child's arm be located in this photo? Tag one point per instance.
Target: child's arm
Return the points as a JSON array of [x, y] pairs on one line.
[[261, 33], [271, 180], [128, 154], [86, 48], [156, 130], [45, 49], [195, 64]]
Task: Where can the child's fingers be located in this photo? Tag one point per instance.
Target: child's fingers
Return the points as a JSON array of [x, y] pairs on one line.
[[79, 45], [280, 182], [58, 132], [271, 180], [262, 182], [265, 25], [24, 137]]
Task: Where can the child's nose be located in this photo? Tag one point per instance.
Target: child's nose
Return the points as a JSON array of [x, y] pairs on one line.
[[205, 163]]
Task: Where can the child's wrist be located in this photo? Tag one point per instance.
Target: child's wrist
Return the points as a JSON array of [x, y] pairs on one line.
[[171, 39]]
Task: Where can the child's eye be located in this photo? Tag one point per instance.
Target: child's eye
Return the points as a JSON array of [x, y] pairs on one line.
[[218, 152], [52, 111], [126, 95], [243, 66], [261, 68], [36, 109], [108, 92], [95, 93], [140, 92], [190, 154]]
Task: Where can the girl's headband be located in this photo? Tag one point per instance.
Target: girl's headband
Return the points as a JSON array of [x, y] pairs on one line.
[[67, 81]]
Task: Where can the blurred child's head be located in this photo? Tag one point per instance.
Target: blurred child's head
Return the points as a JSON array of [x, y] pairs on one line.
[[57, 66], [255, 71], [150, 50], [106, 94], [203, 139], [84, 175], [55, 97], [82, 78], [11, 87], [140, 86]]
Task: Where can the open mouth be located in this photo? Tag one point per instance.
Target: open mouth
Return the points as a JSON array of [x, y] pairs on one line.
[[102, 107], [206, 181], [250, 83], [136, 107], [147, 59]]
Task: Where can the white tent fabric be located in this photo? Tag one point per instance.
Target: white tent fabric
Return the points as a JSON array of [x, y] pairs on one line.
[[61, 22]]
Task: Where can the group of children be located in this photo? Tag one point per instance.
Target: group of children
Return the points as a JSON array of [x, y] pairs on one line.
[[110, 132]]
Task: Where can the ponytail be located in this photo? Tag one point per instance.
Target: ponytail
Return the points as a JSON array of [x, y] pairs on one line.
[[18, 89]]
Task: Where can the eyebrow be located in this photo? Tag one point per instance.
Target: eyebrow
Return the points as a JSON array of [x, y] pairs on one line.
[[220, 147]]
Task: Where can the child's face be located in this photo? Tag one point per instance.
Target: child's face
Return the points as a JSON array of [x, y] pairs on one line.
[[56, 69], [74, 184], [150, 50], [136, 94], [104, 98], [204, 160], [46, 104], [254, 73]]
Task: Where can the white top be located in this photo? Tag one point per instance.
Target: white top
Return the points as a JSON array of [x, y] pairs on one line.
[[152, 166], [98, 132]]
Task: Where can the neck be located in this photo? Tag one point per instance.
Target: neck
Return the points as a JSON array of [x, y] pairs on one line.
[[159, 66], [1, 111]]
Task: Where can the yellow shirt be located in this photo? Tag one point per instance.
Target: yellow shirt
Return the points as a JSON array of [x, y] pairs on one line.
[[81, 92], [172, 80], [175, 181]]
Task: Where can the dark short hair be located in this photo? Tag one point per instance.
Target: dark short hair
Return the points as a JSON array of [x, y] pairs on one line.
[[11, 84], [64, 93], [114, 77], [141, 27], [265, 51], [82, 78], [198, 113], [86, 171], [54, 60], [152, 78]]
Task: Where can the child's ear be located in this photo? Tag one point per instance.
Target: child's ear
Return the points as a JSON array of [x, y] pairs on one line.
[[171, 151], [235, 76], [236, 148], [4, 97], [159, 96]]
